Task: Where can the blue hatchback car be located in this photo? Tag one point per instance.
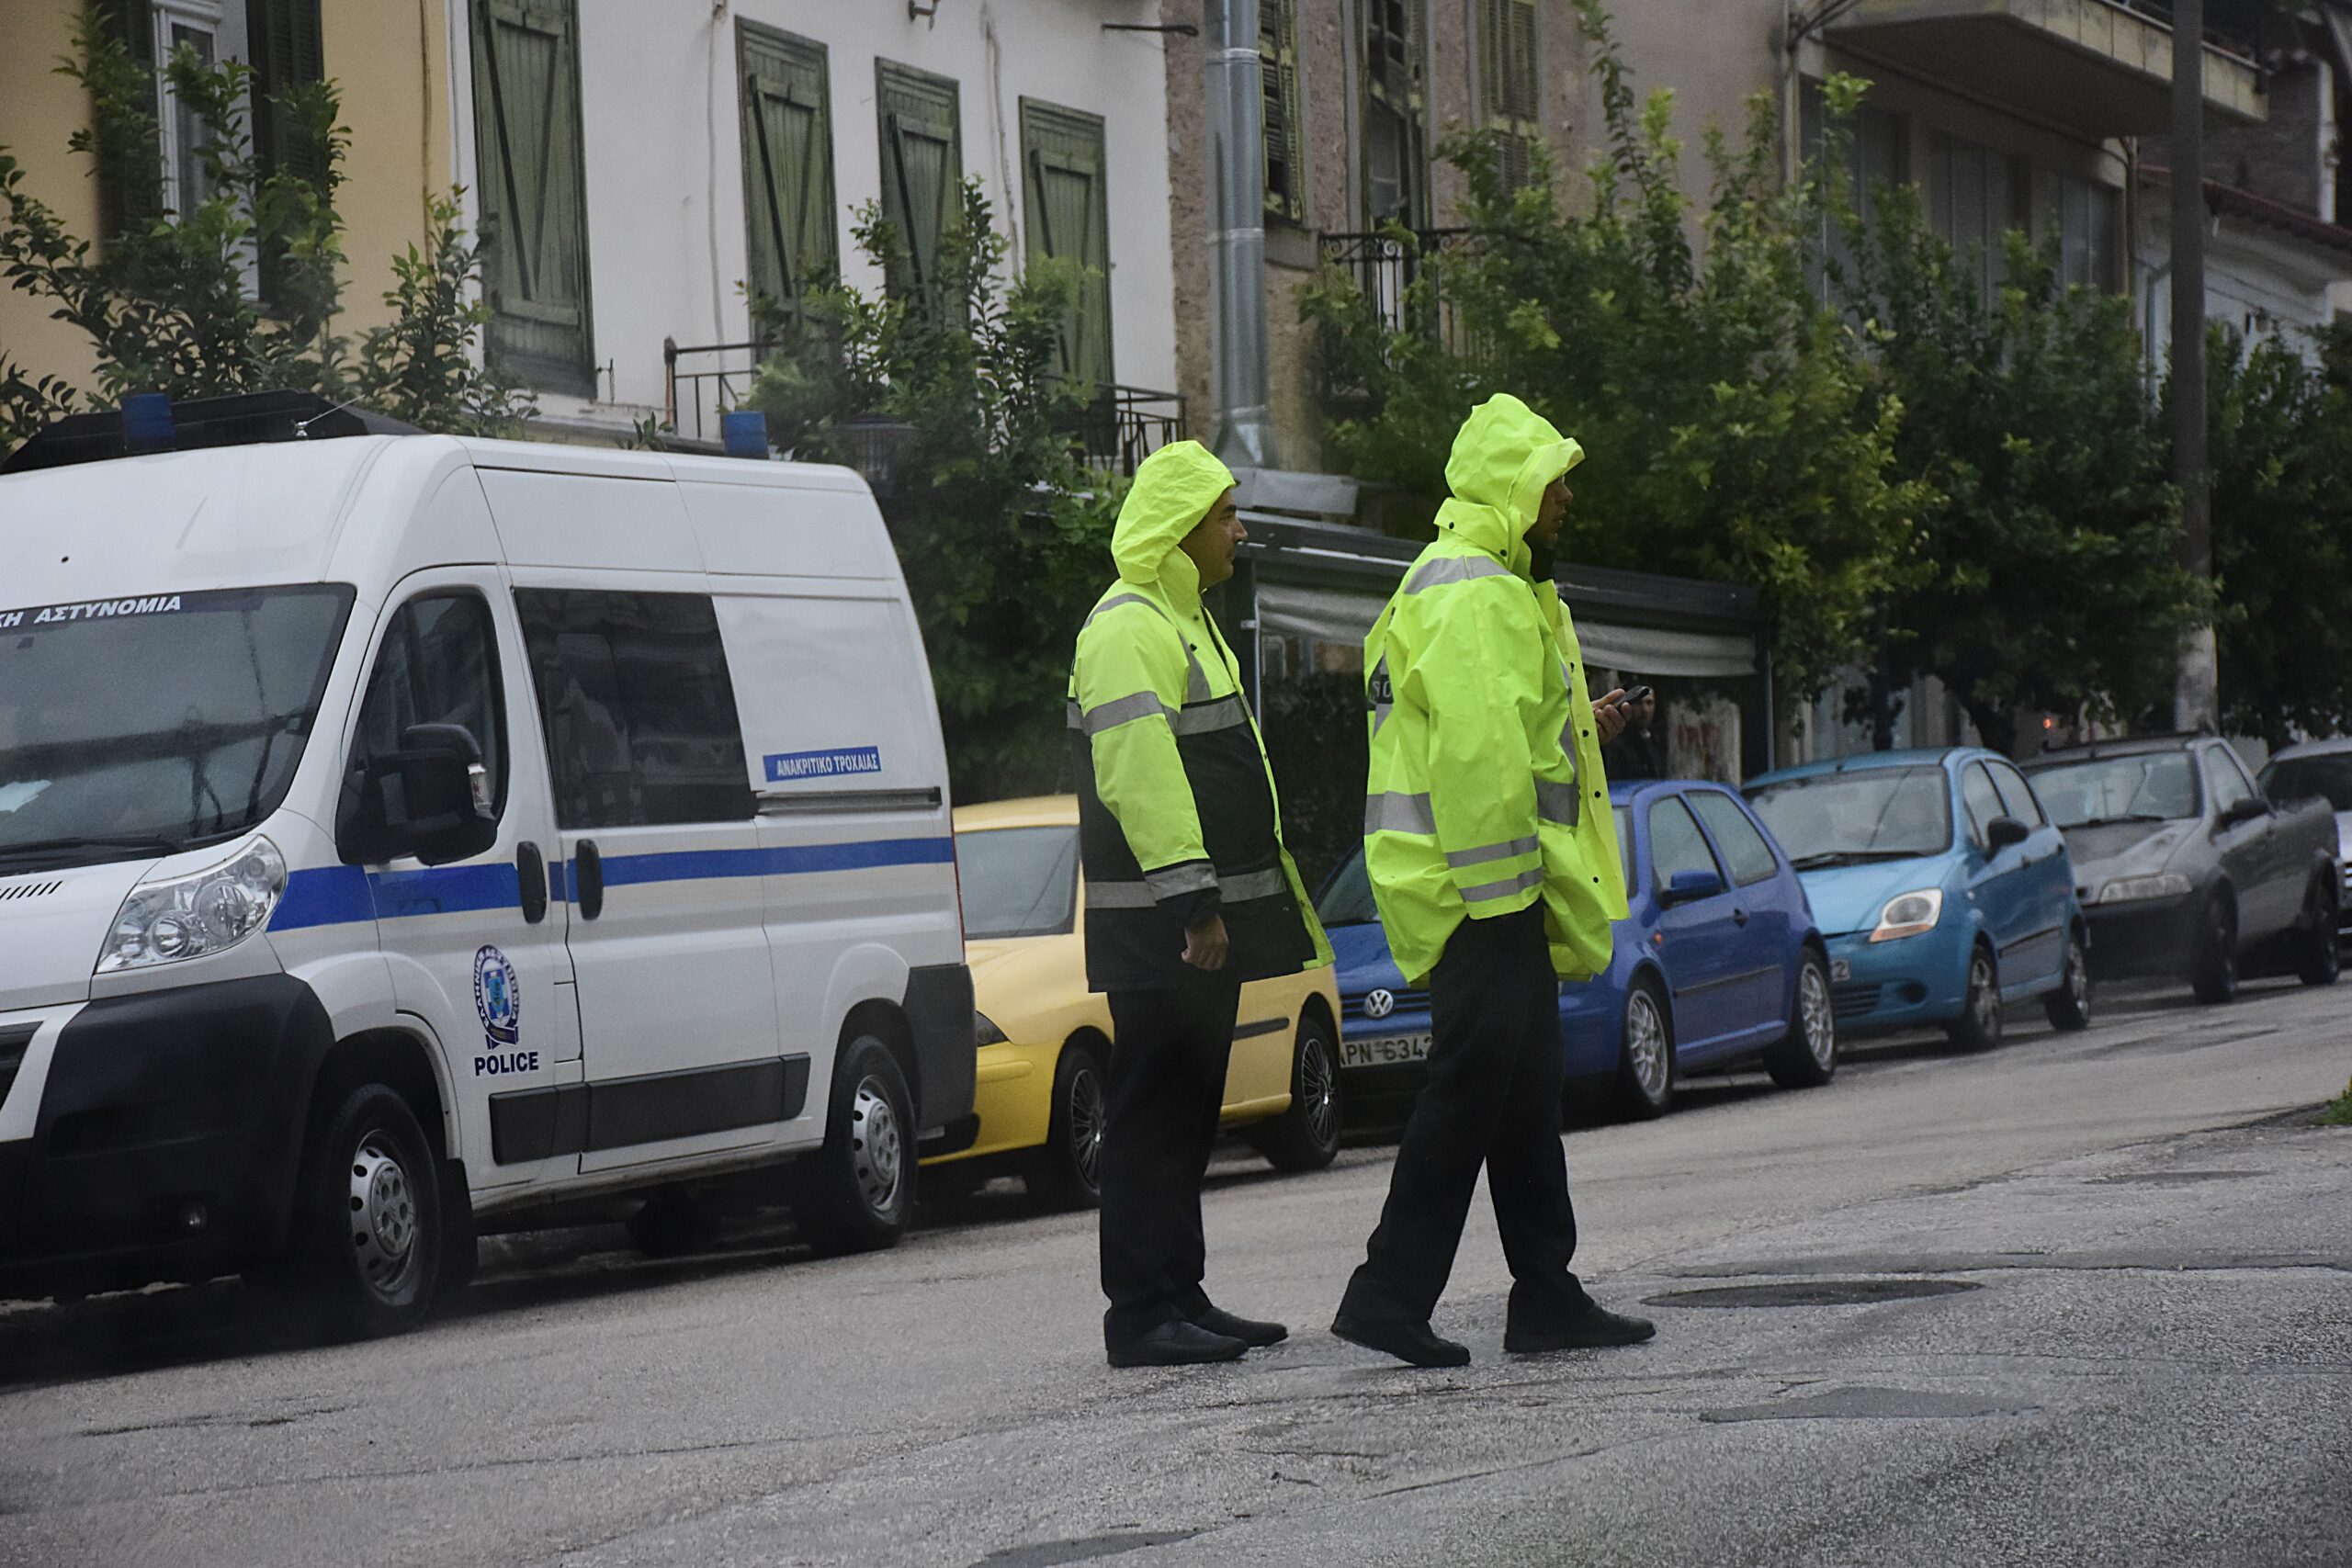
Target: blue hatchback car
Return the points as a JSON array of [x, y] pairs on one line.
[[1944, 889], [1719, 965]]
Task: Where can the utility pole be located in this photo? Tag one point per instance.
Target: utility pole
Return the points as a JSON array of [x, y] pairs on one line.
[[2196, 698], [1245, 431]]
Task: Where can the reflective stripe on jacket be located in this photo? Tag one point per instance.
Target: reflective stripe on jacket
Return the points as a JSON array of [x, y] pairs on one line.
[[1487, 791], [1177, 815]]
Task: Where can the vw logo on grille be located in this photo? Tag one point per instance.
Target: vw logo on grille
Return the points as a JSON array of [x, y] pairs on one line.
[[1378, 1004]]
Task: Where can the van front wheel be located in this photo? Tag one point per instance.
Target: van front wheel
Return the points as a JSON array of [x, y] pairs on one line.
[[853, 1193], [364, 1252]]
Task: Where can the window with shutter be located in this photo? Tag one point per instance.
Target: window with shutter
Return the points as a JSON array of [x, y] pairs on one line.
[[1062, 197], [788, 164], [923, 169], [1285, 137], [129, 205], [1509, 80], [1394, 114], [534, 201], [288, 51]]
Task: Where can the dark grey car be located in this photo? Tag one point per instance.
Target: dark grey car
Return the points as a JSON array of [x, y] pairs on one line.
[[2183, 865], [2319, 770]]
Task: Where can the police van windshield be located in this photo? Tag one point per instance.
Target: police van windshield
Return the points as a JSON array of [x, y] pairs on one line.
[[147, 725]]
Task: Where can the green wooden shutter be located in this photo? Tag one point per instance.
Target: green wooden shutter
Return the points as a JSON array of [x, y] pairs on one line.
[[1509, 83], [123, 205], [1396, 110], [788, 164], [287, 49], [1063, 172], [922, 168], [1283, 126], [534, 202]]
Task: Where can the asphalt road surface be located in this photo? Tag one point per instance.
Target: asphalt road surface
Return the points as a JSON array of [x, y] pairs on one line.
[[2131, 1343]]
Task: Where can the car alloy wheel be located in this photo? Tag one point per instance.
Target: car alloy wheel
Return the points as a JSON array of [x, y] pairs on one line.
[[1818, 1015], [1649, 1051], [1086, 1112]]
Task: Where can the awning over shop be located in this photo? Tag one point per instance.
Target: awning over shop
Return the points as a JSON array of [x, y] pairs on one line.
[[1329, 615]]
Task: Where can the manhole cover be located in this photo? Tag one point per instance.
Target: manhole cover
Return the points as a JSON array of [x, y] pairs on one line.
[[1812, 1294]]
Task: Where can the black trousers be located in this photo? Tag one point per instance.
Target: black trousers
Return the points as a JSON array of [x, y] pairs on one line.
[[1164, 1088], [1493, 1097]]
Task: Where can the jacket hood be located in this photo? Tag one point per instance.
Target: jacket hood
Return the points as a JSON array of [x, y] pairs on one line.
[[1173, 490], [1503, 456]]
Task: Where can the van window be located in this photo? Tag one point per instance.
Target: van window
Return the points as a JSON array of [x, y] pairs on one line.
[[165, 721], [439, 665], [639, 707], [1751, 858]]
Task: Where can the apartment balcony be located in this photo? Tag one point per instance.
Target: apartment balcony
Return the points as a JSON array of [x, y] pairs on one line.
[[2097, 68]]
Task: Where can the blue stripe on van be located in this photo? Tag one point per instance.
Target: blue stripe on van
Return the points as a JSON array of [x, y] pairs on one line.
[[341, 894]]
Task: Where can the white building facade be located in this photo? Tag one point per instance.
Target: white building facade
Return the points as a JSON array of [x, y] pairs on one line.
[[638, 168]]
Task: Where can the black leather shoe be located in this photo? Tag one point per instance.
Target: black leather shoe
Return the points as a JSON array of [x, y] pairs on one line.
[[1410, 1342], [1248, 1330], [1176, 1344], [1593, 1328]]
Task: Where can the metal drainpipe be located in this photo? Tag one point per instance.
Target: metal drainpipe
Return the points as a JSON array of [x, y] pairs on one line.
[[1245, 436]]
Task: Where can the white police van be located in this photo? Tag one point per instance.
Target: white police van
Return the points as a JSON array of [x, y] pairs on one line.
[[405, 836]]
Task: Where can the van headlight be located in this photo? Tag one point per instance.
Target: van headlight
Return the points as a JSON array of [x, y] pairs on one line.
[[1909, 914], [195, 916], [2166, 884]]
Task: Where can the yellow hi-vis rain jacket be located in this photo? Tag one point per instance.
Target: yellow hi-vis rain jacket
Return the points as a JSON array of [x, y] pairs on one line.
[[1178, 817], [1487, 791]]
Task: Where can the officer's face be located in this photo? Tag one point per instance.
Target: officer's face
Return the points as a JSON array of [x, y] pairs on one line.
[[1211, 544], [1551, 515]]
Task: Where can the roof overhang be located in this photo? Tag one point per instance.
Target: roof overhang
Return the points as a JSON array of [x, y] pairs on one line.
[[2093, 67]]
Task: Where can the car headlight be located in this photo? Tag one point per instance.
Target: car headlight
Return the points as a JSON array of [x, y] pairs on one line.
[[199, 915], [2166, 884], [1910, 914], [986, 1032]]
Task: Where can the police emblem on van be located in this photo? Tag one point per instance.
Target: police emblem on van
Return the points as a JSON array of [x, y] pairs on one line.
[[498, 996]]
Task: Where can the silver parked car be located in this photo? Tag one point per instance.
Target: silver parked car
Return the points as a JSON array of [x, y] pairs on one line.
[[2321, 767]]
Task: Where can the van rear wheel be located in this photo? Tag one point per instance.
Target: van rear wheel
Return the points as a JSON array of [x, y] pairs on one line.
[[364, 1248], [854, 1192]]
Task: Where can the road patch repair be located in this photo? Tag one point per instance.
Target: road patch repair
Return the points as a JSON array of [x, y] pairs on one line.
[[1868, 1404], [1812, 1292]]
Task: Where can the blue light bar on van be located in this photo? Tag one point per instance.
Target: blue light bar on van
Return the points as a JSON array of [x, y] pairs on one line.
[[745, 433], [147, 423]]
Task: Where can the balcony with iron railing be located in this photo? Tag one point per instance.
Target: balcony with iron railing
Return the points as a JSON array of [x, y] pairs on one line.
[[1118, 427]]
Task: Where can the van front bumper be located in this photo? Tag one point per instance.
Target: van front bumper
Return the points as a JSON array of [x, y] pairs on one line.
[[164, 1145]]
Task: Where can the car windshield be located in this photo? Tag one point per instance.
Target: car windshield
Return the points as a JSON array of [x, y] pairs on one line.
[[2158, 786], [1018, 881], [2327, 776], [1346, 899], [151, 725], [1867, 813]]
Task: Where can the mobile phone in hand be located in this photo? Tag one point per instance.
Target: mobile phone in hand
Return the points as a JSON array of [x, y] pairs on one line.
[[1632, 698]]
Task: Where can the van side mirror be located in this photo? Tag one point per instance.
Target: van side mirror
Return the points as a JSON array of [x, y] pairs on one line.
[[431, 798], [2003, 831], [1687, 886]]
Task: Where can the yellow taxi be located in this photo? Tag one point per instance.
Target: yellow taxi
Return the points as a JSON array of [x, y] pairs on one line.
[[1044, 1038]]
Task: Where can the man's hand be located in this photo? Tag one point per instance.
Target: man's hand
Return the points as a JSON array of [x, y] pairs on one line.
[[1204, 946], [1609, 716]]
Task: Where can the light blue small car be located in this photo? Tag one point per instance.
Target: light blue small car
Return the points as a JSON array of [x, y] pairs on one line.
[[1941, 886]]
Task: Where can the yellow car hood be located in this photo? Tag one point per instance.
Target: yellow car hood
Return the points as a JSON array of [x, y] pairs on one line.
[[1022, 982]]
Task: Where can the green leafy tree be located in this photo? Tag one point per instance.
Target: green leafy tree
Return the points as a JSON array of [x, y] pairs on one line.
[[168, 298], [952, 397], [2053, 581], [2280, 446], [1733, 430]]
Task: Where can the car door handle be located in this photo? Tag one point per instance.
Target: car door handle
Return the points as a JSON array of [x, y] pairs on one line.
[[1739, 916], [588, 873], [531, 872]]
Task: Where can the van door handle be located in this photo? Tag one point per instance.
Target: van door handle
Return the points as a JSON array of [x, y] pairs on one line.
[[531, 872], [588, 873]]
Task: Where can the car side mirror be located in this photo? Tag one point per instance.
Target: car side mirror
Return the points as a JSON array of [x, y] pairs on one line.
[[2244, 809], [1686, 886], [2003, 831], [431, 798]]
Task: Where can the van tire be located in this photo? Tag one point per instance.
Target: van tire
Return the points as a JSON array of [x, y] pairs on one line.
[[1067, 1171], [365, 1247], [854, 1192]]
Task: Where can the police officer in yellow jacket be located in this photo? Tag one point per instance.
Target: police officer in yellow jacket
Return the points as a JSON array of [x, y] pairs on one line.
[[1493, 857], [1189, 892]]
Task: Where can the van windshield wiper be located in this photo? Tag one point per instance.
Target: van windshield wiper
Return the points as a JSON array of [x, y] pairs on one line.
[[151, 841]]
